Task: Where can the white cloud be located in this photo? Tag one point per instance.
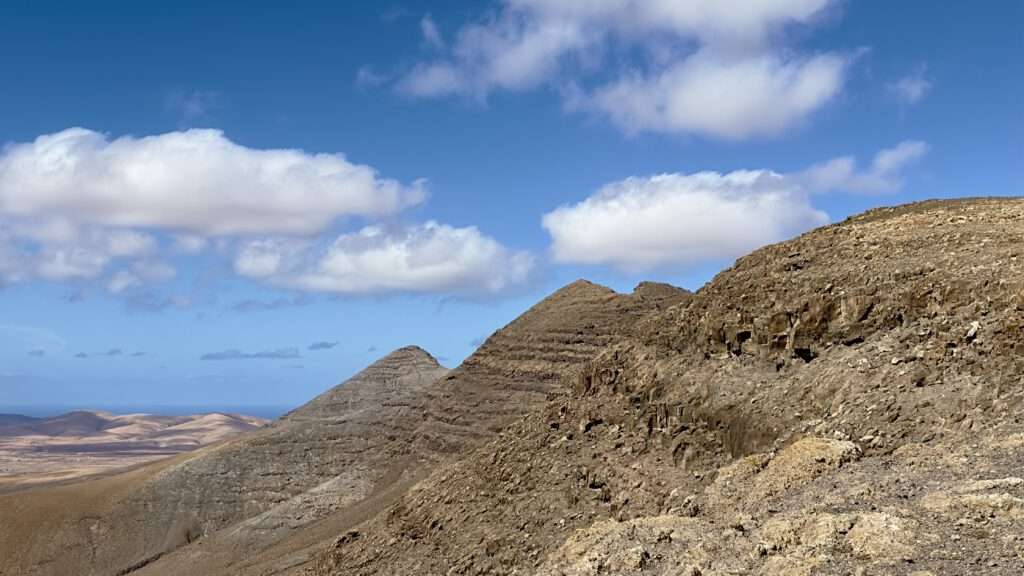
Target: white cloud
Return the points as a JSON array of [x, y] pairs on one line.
[[680, 219], [268, 257], [76, 205], [734, 99], [712, 66], [913, 87], [195, 181], [189, 244], [431, 34], [685, 219], [884, 175], [59, 249], [140, 273], [427, 258], [122, 281]]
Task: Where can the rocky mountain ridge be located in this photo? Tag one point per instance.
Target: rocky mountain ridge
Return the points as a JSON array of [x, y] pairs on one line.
[[844, 402]]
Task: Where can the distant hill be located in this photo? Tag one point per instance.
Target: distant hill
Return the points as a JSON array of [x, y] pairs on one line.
[[15, 419], [92, 430], [36, 451]]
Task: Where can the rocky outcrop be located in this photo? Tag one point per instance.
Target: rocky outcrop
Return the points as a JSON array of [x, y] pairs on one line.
[[519, 366]]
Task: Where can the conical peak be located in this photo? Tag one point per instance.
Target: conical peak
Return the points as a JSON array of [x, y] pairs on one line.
[[408, 355], [583, 286]]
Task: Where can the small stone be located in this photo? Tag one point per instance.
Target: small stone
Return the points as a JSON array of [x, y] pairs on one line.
[[972, 332]]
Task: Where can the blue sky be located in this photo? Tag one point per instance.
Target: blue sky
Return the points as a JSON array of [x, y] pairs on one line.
[[240, 181]]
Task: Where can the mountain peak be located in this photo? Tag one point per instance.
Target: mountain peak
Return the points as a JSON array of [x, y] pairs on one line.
[[405, 369], [411, 353]]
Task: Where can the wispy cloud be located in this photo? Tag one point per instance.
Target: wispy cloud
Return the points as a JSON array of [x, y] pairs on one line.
[[113, 352], [322, 345], [913, 87], [367, 77], [431, 33], [577, 48], [254, 305], [234, 354]]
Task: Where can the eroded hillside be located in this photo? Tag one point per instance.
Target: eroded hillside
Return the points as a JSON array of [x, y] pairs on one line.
[[845, 402], [513, 372]]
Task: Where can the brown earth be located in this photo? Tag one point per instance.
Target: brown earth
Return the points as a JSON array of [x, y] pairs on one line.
[[847, 402]]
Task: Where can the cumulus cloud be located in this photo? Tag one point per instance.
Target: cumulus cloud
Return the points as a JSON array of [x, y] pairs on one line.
[[233, 354], [884, 175], [680, 219], [78, 205], [431, 257], [684, 219], [196, 181], [718, 68], [911, 88], [322, 345], [728, 98]]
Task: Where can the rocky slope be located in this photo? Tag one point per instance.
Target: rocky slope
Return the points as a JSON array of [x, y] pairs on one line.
[[513, 372], [843, 403]]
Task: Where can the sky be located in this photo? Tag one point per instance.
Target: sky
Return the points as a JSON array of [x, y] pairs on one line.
[[213, 204]]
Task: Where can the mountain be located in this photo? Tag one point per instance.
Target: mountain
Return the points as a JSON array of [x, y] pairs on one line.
[[846, 402], [273, 499], [511, 373], [12, 419]]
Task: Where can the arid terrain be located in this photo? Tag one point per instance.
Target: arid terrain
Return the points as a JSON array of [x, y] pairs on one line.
[[846, 402], [41, 450]]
